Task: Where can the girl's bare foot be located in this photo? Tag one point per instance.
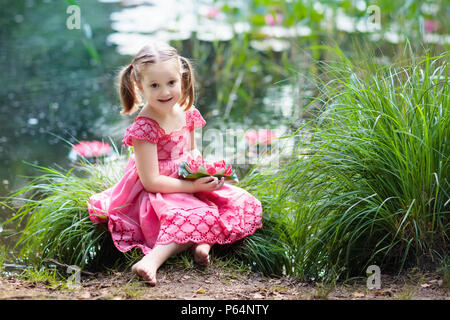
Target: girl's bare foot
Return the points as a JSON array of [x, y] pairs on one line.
[[149, 264], [201, 253], [146, 268]]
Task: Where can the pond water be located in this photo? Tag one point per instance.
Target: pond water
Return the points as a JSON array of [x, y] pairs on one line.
[[58, 84], [51, 87]]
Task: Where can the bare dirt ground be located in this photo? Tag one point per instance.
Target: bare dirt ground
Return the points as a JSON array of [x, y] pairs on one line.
[[215, 282]]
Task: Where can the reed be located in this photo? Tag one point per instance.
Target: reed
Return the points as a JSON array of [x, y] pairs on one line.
[[53, 219], [371, 184]]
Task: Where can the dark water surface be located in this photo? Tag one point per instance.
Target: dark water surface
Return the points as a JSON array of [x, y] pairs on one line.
[[51, 87]]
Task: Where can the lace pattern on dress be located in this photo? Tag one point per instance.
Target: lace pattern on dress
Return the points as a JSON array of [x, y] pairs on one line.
[[194, 119], [145, 128], [229, 224]]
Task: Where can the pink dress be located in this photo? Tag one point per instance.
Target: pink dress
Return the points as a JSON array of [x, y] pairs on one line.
[[137, 218]]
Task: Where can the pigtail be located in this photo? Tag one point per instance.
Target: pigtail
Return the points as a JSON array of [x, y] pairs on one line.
[[187, 82], [127, 90]]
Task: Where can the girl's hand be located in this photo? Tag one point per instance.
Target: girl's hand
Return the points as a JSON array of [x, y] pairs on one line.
[[208, 183]]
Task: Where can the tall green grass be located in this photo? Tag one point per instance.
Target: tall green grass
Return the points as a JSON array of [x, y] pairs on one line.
[[371, 183], [53, 220]]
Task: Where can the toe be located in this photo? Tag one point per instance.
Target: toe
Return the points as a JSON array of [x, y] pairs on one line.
[[149, 276], [201, 254], [144, 272], [203, 258]]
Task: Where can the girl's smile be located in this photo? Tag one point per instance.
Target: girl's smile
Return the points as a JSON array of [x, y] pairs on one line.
[[165, 100]]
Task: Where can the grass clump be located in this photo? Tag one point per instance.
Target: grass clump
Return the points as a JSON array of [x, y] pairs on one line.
[[2, 257], [55, 217], [444, 271], [371, 183], [50, 277]]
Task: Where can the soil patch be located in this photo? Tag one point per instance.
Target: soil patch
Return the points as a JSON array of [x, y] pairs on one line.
[[214, 282]]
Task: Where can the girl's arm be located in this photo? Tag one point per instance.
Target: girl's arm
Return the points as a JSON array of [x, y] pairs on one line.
[[148, 170], [146, 157]]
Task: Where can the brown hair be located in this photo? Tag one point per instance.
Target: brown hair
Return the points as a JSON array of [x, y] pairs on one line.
[[132, 74]]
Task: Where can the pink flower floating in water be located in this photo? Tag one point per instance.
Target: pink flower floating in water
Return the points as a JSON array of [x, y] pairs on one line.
[[90, 150], [431, 26], [272, 20], [260, 137], [199, 167], [213, 13]]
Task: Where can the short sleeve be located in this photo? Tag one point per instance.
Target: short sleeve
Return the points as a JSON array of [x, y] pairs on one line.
[[143, 128], [195, 119]]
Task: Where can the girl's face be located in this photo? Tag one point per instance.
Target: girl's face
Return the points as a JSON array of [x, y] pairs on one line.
[[161, 85]]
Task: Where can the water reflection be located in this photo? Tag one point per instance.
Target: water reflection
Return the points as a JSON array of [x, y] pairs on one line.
[[51, 88], [170, 20], [142, 20]]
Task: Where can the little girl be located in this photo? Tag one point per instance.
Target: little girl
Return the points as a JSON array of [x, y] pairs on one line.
[[152, 207]]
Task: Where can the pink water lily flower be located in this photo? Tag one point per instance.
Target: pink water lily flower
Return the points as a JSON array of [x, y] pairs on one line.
[[252, 137], [228, 170], [210, 169], [213, 13], [271, 20], [431, 25], [92, 149], [196, 163], [221, 168], [262, 136], [265, 136], [198, 167], [219, 165]]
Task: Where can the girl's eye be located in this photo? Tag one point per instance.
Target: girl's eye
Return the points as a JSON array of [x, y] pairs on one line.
[[172, 82], [154, 85]]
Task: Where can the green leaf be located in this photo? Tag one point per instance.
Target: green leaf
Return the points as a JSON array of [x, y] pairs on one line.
[[72, 2], [91, 49]]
